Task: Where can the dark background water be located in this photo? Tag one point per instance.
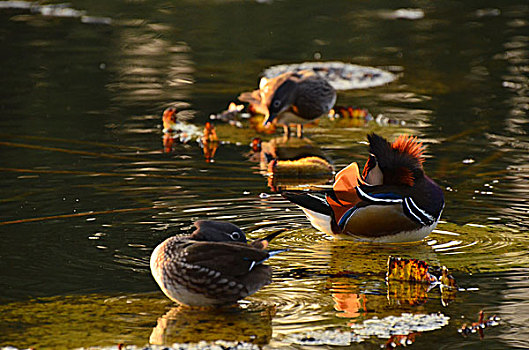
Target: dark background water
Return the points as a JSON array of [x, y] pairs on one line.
[[80, 131]]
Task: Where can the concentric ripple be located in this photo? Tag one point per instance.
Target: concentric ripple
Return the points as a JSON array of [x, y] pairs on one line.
[[478, 247]]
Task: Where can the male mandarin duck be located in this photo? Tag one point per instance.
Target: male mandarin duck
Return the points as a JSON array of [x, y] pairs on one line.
[[213, 266], [391, 201], [176, 128], [292, 98]]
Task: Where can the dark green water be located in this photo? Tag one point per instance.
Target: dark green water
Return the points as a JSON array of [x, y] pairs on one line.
[[80, 132]]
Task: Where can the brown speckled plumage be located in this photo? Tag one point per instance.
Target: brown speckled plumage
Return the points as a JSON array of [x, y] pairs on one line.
[[213, 266], [292, 98]]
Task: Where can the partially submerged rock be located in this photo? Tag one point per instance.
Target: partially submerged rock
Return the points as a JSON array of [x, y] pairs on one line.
[[341, 75]]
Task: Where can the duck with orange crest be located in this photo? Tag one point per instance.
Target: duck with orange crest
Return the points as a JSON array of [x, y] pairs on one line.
[[391, 201]]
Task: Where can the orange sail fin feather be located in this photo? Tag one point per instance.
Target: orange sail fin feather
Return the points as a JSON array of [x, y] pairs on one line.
[[347, 179], [409, 145], [345, 189]]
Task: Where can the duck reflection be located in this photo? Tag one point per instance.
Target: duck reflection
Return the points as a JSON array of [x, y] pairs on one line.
[[168, 143], [347, 302], [191, 325], [178, 132], [292, 162], [356, 284], [210, 142]]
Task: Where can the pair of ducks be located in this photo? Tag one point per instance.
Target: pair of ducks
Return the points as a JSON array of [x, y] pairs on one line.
[[392, 200]]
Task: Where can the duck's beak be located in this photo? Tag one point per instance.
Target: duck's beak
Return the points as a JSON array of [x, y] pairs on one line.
[[269, 119], [262, 243]]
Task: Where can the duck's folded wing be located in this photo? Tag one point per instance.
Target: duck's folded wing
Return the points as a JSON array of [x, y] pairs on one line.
[[219, 270], [314, 201], [229, 259], [315, 207], [342, 197]]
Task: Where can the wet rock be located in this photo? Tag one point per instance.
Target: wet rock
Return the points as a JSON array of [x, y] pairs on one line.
[[342, 76]]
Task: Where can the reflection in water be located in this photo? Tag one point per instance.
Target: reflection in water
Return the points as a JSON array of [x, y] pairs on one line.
[[66, 322], [151, 67], [210, 142], [516, 77], [191, 325], [292, 162], [175, 125], [480, 326], [347, 303], [353, 285], [177, 133], [407, 293], [513, 306], [58, 10], [410, 280], [401, 340]]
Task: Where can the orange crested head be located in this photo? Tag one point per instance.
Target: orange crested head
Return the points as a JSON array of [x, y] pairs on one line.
[[169, 118], [409, 145], [400, 162]]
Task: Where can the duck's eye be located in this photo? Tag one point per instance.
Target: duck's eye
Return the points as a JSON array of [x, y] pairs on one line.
[[235, 236], [276, 103]]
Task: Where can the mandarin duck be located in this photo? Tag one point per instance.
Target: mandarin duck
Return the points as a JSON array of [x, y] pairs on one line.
[[391, 201], [178, 129], [213, 266], [292, 98]]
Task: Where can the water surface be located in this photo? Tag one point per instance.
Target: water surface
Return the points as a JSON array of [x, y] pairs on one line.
[[81, 153]]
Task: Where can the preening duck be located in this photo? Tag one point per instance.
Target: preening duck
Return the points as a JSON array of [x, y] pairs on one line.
[[391, 201], [213, 266]]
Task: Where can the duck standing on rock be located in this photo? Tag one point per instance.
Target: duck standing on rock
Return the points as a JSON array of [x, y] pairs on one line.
[[213, 266], [391, 201], [292, 98]]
